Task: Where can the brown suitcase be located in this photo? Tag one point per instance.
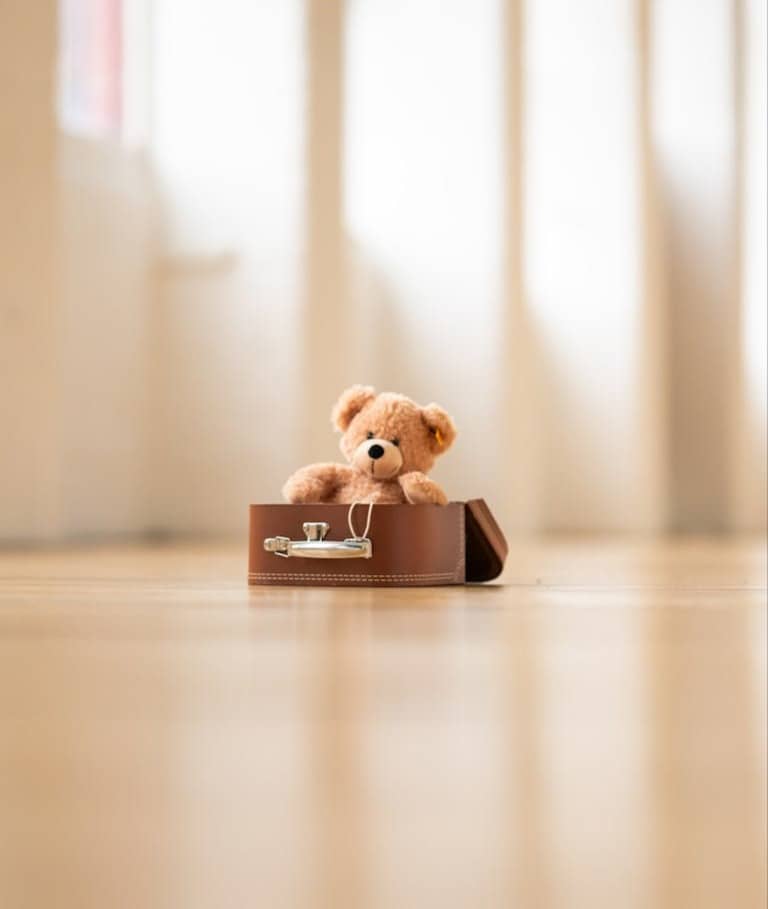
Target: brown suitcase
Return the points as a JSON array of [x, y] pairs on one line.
[[406, 545]]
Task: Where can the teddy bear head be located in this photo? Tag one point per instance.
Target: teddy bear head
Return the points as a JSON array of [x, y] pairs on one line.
[[385, 435]]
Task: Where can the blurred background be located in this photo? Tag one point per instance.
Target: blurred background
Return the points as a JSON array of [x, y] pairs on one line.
[[550, 217]]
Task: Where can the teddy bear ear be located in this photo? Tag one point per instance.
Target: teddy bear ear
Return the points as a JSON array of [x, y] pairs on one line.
[[349, 405], [441, 427]]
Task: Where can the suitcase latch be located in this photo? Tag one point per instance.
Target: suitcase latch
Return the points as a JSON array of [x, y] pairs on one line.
[[317, 547]]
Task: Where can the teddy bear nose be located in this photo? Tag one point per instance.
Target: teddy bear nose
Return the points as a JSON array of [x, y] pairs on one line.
[[375, 452]]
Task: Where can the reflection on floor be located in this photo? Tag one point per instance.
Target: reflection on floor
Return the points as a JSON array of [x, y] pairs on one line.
[[591, 733]]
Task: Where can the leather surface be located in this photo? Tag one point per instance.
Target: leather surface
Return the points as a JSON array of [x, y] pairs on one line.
[[413, 546], [486, 548]]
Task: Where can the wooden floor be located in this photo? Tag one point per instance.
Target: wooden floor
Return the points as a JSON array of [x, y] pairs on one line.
[[591, 734]]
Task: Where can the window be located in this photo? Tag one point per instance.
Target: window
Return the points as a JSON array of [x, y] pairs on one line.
[[103, 68]]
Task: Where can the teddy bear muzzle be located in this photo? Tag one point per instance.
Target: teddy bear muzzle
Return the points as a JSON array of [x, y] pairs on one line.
[[379, 458]]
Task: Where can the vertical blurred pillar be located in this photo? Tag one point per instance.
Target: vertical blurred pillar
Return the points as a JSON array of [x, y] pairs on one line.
[[747, 474], [584, 261], [324, 320], [27, 213], [652, 324], [519, 386], [695, 138]]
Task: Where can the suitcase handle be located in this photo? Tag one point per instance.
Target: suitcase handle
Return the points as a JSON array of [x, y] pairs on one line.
[[317, 547]]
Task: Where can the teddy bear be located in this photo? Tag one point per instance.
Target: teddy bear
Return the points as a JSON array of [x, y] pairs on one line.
[[390, 443]]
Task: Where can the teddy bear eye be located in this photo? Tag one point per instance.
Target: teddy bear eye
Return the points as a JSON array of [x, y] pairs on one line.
[[369, 435], [396, 442]]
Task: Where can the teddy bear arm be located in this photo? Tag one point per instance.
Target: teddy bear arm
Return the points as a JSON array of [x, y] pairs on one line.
[[315, 484], [420, 490]]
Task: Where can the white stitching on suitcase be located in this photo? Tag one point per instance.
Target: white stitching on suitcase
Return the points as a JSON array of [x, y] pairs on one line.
[[351, 577], [331, 580]]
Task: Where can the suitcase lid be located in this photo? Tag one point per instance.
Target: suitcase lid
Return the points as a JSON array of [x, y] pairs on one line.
[[486, 548]]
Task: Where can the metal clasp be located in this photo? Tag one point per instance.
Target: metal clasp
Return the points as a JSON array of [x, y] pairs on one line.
[[317, 547]]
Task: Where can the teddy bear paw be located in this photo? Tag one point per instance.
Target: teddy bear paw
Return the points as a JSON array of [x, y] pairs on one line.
[[420, 490]]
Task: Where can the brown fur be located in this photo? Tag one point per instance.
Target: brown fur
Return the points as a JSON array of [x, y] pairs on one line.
[[411, 438]]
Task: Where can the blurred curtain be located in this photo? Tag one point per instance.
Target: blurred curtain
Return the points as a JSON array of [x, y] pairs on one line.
[[547, 216]]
